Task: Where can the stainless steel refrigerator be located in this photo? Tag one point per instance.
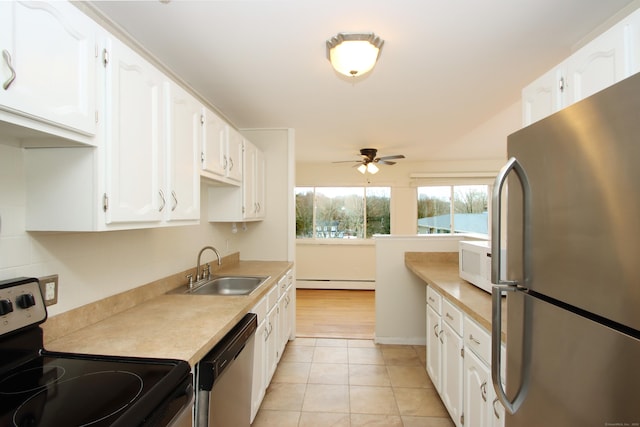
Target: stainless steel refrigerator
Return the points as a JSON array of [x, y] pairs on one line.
[[567, 208]]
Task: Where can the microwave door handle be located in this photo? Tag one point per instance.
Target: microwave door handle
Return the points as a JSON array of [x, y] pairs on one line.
[[510, 286]]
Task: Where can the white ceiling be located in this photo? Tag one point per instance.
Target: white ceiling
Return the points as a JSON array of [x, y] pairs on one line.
[[446, 66]]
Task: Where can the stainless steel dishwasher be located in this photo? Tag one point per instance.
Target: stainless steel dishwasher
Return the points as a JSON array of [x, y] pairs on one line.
[[223, 378]]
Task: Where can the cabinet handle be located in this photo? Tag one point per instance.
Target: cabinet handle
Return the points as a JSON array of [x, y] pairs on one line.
[[266, 334], [475, 341], [7, 59], [230, 164], [431, 299], [483, 391], [495, 411], [164, 202], [175, 201], [448, 316], [435, 330], [440, 336], [224, 163]]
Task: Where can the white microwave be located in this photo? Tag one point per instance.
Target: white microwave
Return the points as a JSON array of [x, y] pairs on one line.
[[475, 263]]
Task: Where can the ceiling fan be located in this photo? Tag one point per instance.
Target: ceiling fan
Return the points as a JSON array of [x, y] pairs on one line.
[[369, 160]]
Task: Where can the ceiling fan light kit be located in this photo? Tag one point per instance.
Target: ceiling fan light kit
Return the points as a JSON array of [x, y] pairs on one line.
[[354, 54], [369, 160]]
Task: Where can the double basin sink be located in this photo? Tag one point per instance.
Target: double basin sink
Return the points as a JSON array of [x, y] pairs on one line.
[[223, 285]]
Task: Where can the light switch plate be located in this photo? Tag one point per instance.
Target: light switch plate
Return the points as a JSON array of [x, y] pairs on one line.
[[49, 289]]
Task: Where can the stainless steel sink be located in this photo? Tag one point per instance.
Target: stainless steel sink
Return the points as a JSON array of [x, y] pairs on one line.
[[224, 285]]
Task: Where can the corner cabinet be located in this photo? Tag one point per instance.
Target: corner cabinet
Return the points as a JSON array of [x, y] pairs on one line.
[[48, 76], [247, 203], [144, 171]]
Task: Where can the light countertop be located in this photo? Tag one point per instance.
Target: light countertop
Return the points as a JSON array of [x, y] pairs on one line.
[[440, 270], [174, 326]]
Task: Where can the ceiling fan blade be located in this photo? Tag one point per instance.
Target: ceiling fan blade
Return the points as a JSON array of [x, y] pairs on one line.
[[396, 156], [348, 161], [385, 162]]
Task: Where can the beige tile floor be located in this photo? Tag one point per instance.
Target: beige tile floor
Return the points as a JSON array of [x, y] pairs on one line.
[[350, 383]]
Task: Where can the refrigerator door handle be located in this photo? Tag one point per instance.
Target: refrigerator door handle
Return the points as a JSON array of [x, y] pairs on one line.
[[496, 220], [501, 286]]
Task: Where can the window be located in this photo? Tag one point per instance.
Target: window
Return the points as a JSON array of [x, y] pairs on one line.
[[342, 212], [467, 213]]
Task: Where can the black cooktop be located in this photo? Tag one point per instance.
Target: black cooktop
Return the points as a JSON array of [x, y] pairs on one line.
[[59, 389], [40, 388]]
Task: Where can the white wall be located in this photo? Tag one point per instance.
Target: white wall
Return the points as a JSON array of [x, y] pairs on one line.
[[92, 266], [400, 294], [484, 150]]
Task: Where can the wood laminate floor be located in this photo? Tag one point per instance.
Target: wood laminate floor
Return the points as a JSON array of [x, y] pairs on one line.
[[322, 313]]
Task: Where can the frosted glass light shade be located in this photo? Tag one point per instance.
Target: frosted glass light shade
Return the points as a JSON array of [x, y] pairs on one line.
[[354, 54]]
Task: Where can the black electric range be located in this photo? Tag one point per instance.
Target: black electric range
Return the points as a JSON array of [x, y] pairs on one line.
[[45, 388]]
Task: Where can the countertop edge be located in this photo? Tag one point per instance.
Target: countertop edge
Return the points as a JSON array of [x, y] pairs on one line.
[[440, 270], [188, 333]]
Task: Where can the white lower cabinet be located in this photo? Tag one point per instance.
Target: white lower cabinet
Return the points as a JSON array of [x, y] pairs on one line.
[[458, 363], [452, 364], [434, 329], [259, 386], [481, 405], [275, 312]]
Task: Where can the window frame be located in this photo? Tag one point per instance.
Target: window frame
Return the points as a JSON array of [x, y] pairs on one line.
[[329, 240], [452, 183]]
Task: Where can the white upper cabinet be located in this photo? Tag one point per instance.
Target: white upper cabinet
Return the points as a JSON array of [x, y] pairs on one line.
[[221, 150], [214, 141], [143, 173], [183, 136], [48, 67], [598, 65], [245, 203], [543, 97], [253, 182], [133, 137], [611, 57]]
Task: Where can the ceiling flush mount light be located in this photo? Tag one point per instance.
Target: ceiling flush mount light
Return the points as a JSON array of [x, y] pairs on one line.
[[354, 54], [369, 167]]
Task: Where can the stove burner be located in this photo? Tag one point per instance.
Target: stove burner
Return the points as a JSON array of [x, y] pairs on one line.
[[31, 379], [67, 402]]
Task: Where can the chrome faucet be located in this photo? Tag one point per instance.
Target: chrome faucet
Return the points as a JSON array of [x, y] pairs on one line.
[[198, 264]]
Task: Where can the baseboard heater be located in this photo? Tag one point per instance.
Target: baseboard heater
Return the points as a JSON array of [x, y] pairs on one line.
[[335, 284]]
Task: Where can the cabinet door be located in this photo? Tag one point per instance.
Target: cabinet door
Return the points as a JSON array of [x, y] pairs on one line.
[[272, 343], [52, 47], [543, 97], [182, 148], [259, 385], [434, 330], [598, 65], [249, 204], [478, 392], [259, 184], [133, 137], [452, 368], [235, 146], [214, 144]]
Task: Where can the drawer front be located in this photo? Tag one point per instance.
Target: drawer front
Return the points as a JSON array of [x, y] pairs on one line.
[[272, 297], [260, 309], [434, 299], [452, 315], [282, 284], [477, 339]]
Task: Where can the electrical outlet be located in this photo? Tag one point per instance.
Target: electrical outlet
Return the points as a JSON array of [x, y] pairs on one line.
[[49, 289]]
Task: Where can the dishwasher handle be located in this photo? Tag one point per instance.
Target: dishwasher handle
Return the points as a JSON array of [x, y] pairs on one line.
[[211, 367]]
